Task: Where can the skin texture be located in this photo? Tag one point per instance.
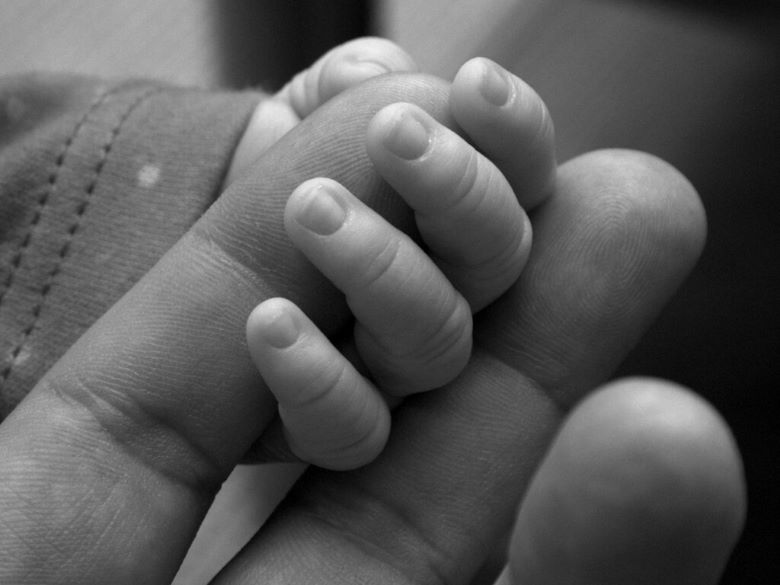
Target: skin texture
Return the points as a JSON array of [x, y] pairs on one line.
[[341, 68], [333, 416], [466, 211], [116, 464], [148, 445], [413, 329], [650, 461], [615, 214], [529, 162]]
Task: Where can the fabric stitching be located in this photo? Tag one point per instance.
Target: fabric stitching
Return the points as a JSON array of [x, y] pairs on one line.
[[43, 200], [80, 211]]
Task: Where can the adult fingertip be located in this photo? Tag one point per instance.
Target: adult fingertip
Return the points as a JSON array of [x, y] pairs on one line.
[[690, 448], [663, 199], [643, 484]]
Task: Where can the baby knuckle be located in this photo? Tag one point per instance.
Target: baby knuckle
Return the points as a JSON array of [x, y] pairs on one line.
[[378, 265], [320, 388], [448, 348], [466, 180]]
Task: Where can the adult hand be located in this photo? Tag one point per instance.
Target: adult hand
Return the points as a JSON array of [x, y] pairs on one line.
[[110, 463]]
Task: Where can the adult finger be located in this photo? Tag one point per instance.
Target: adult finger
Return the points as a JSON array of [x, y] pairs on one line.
[[643, 484], [113, 458], [611, 245]]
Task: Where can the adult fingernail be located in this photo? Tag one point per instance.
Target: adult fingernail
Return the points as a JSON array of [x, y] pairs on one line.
[[323, 211], [495, 86], [279, 329], [408, 138]]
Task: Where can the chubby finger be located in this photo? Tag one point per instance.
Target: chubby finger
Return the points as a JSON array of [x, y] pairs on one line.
[[333, 417], [339, 69], [643, 484], [508, 121], [413, 329], [466, 211]]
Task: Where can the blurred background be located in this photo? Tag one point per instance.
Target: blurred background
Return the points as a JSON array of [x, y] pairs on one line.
[[695, 82]]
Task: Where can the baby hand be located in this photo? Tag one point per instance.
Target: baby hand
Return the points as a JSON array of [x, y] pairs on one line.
[[412, 307]]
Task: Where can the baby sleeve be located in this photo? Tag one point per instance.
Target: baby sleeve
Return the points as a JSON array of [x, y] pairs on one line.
[[97, 180]]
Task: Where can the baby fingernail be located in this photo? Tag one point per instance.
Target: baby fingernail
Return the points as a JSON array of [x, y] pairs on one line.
[[371, 67], [408, 138], [352, 73], [323, 211], [280, 329], [495, 87]]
